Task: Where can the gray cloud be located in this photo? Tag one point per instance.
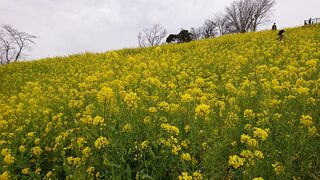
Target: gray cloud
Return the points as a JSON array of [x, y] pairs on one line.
[[75, 26]]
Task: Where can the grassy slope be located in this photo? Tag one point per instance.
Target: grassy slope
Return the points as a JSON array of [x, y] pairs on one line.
[[231, 74]]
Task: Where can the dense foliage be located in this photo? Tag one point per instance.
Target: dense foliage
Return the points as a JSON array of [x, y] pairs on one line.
[[240, 106]]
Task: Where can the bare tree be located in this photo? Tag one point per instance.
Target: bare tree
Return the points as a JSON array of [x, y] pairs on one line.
[[262, 12], [13, 43], [208, 28], [197, 33], [221, 23], [239, 14], [218, 25], [246, 15], [152, 36]]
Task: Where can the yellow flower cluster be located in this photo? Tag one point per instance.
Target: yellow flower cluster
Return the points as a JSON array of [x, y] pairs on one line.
[[202, 110], [5, 176], [186, 97], [248, 113], [236, 161], [90, 170], [74, 161], [258, 178], [25, 171], [86, 151], [98, 120], [306, 120], [260, 133], [170, 129], [7, 157], [164, 106], [36, 150], [105, 94], [172, 143], [185, 176], [248, 140], [278, 169], [127, 128], [131, 99], [197, 175], [186, 157], [101, 142]]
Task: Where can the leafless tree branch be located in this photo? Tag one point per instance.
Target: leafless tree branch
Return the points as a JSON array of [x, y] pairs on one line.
[[221, 23], [197, 33], [152, 36], [13, 43], [208, 28], [247, 15]]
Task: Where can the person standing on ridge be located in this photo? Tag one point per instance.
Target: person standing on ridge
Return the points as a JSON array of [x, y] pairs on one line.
[[274, 26]]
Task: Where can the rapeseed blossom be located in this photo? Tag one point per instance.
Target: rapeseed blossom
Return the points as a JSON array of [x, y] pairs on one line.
[[248, 140], [202, 110], [187, 128], [258, 154], [152, 110], [25, 171], [48, 175], [186, 97], [247, 154], [306, 120], [175, 149], [258, 178], [185, 176], [144, 145], [170, 129], [278, 169], [197, 175], [127, 127], [86, 152], [8, 159], [313, 131], [37, 171], [164, 106], [101, 142], [74, 161], [131, 99], [36, 151], [185, 143], [235, 161], [105, 94], [260, 133], [81, 141], [90, 170], [5, 151], [5, 175], [147, 120], [186, 157], [97, 120], [248, 113]]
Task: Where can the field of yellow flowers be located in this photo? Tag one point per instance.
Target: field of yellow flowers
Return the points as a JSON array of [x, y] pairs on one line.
[[243, 106]]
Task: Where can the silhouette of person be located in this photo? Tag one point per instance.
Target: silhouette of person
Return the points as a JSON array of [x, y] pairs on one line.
[[274, 26], [281, 34], [310, 21]]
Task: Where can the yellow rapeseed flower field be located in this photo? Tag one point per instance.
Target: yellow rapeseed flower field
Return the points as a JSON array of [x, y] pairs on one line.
[[243, 106]]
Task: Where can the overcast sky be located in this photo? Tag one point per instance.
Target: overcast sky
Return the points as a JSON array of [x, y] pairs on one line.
[[75, 26]]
